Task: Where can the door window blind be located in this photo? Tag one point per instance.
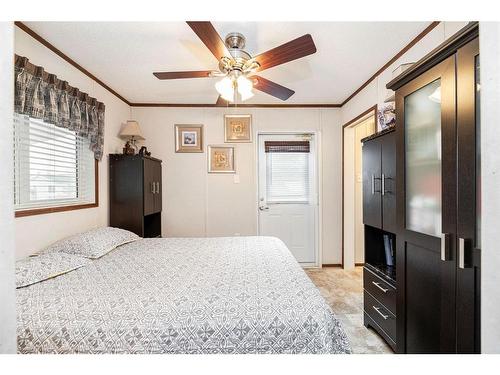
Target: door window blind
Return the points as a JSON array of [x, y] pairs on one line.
[[52, 166], [287, 171]]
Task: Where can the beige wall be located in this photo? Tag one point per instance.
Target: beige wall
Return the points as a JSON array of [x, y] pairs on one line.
[[489, 40], [35, 232], [7, 296], [200, 204]]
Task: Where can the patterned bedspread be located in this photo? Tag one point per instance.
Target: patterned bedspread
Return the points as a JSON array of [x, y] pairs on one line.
[[181, 295]]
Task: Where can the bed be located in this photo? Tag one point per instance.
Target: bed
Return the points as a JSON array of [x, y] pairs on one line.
[[181, 295]]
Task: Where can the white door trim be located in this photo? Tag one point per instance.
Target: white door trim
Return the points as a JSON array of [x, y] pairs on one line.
[[319, 188], [348, 181]]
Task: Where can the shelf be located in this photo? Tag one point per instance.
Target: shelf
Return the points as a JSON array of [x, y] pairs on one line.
[[388, 273]]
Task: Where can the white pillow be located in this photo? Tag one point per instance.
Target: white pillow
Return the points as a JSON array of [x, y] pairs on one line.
[[38, 268], [94, 243]]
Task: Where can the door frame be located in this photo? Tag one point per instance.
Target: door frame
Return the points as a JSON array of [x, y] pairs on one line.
[[318, 232], [359, 118]]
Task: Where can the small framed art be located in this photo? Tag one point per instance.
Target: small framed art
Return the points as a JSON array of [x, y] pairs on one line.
[[221, 159], [237, 128], [188, 138]]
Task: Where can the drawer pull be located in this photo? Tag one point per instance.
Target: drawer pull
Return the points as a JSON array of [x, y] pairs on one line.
[[377, 309], [378, 286]]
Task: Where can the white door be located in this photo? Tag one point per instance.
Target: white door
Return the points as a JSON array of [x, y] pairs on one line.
[[288, 192]]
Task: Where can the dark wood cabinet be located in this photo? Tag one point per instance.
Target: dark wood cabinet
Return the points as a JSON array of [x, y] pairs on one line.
[[135, 194], [437, 248], [379, 304], [152, 186], [468, 198], [372, 170], [379, 176], [379, 217]]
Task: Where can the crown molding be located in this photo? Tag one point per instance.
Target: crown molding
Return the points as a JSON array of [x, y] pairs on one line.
[[196, 105], [68, 59], [415, 40]]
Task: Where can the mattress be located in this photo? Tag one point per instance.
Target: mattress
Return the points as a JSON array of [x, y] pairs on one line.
[[181, 295]]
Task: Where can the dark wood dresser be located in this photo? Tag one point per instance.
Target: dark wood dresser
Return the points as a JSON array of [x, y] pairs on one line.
[[379, 217], [135, 194]]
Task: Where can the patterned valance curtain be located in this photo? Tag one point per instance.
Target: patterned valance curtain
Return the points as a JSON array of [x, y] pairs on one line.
[[42, 95]]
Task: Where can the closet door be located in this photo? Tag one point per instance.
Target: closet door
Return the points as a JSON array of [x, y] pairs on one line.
[[372, 203], [468, 178], [426, 204]]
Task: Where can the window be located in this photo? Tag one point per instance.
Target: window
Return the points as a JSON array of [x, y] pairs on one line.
[[288, 178], [54, 169]]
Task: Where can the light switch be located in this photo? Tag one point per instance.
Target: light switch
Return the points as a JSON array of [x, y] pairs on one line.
[[236, 178]]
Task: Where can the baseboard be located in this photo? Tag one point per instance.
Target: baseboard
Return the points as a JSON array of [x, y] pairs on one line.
[[340, 265]]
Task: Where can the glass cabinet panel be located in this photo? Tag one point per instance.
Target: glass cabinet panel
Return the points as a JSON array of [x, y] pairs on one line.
[[423, 159]]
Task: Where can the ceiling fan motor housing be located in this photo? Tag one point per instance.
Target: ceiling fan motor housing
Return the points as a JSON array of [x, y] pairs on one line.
[[235, 40], [241, 60]]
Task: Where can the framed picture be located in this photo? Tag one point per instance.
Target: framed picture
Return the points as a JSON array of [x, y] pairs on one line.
[[386, 115], [237, 128], [221, 159], [188, 138]]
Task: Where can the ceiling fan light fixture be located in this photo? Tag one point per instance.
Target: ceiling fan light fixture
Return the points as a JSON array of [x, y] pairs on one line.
[[225, 87], [245, 87]]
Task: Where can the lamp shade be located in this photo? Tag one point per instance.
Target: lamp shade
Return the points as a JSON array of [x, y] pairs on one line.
[[131, 130]]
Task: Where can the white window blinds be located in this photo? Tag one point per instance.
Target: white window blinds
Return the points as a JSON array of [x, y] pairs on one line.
[[52, 166], [288, 172]]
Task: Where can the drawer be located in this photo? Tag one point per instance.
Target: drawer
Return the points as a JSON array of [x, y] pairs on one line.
[[380, 315], [380, 289]]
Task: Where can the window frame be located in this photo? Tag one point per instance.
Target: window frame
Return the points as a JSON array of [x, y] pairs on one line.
[[69, 207]]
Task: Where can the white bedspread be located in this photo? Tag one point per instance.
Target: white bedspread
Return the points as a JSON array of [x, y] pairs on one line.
[[181, 295]]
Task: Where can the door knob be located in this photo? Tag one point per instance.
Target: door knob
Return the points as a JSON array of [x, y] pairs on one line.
[[263, 208]]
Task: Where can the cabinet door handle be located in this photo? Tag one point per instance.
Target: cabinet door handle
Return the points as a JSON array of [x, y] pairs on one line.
[[380, 287], [152, 187], [383, 184], [377, 309], [461, 253], [373, 184], [445, 241], [157, 187], [464, 259]]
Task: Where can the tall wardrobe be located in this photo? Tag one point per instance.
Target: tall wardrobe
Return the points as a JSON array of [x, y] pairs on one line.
[[438, 199]]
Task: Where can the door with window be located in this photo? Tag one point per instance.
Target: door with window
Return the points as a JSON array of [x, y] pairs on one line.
[[288, 192]]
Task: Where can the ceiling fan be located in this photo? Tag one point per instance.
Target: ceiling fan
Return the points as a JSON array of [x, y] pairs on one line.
[[238, 68]]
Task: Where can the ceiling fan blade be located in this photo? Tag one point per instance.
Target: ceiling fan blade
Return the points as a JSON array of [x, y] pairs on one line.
[[187, 74], [272, 88], [208, 35], [295, 49], [222, 102]]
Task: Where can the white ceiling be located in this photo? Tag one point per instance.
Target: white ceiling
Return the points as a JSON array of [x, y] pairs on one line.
[[124, 55]]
